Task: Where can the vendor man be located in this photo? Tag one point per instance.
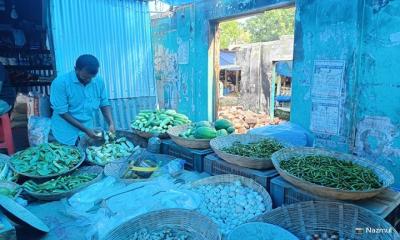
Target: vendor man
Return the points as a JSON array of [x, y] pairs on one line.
[[75, 97]]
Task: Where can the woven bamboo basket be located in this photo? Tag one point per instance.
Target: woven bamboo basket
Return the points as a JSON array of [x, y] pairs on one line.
[[230, 178], [57, 196], [220, 143], [314, 217], [385, 176], [185, 142], [83, 157], [149, 135], [13, 187], [195, 225]]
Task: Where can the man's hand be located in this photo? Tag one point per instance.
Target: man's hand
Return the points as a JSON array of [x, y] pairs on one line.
[[92, 134]]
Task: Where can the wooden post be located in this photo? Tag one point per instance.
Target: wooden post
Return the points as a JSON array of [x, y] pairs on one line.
[[272, 94]]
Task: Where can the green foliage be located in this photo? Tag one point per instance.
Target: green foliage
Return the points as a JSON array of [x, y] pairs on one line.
[[271, 25], [232, 33]]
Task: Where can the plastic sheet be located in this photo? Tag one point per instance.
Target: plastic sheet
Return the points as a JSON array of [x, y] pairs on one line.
[[289, 133], [38, 130]]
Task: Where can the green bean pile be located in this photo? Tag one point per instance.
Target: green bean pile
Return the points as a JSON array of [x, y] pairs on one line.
[[60, 184], [262, 149], [331, 172]]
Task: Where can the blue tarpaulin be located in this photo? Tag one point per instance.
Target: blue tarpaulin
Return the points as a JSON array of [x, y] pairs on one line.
[[283, 98], [284, 68], [227, 58]]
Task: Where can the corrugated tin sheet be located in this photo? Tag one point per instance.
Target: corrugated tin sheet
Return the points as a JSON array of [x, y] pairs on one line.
[[117, 32], [125, 110]]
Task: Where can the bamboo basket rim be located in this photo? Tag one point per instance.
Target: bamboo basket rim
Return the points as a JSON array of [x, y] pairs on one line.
[[386, 182], [56, 196], [120, 232], [316, 216], [232, 234], [83, 157]]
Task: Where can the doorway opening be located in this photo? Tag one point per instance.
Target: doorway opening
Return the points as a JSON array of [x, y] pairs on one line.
[[253, 68]]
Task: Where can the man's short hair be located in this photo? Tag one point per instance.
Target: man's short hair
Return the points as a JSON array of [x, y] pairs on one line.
[[88, 62]]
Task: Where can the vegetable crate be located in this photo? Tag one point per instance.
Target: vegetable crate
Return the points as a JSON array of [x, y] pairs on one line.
[[214, 165], [7, 231], [194, 157], [386, 204]]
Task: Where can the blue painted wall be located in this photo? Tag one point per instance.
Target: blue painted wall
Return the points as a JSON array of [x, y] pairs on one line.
[[365, 34]]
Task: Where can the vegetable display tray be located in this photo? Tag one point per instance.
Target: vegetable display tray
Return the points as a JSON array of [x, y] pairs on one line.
[[197, 226], [213, 165], [315, 217], [57, 196], [83, 157], [194, 157], [386, 204], [185, 142], [220, 143], [149, 135], [383, 174]]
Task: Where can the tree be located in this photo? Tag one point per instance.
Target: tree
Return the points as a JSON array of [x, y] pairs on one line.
[[271, 25], [232, 33]]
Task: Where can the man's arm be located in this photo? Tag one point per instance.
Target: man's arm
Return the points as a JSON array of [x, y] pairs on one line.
[[106, 111]]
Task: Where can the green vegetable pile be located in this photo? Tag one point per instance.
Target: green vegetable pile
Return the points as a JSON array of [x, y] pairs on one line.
[[8, 192], [332, 172], [261, 149], [46, 159], [6, 173], [205, 130], [158, 121], [60, 184], [111, 150]]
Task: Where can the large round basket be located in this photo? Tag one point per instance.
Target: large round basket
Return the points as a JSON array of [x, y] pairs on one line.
[[57, 196], [346, 220], [230, 178], [195, 225], [385, 176], [83, 157], [220, 143], [149, 135], [185, 142]]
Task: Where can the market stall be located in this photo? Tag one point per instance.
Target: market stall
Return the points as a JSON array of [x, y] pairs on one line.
[[114, 189]]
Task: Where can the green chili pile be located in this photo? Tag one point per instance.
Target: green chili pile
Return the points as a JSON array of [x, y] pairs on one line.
[[60, 184], [262, 149], [331, 172]]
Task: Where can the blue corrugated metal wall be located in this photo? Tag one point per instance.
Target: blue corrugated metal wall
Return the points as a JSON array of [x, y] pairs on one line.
[[116, 32]]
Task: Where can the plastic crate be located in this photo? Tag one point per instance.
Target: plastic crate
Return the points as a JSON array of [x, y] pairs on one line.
[[386, 204], [213, 165], [194, 158]]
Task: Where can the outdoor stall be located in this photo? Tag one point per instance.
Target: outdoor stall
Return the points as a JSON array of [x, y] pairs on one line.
[[158, 161]]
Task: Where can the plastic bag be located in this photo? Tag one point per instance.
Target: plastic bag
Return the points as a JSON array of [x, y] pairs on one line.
[[289, 133], [38, 130], [173, 168]]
